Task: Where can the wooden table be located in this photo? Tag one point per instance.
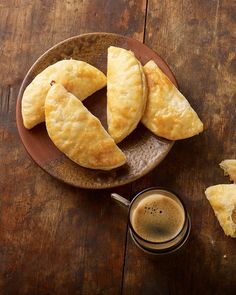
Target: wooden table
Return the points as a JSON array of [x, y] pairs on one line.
[[56, 239]]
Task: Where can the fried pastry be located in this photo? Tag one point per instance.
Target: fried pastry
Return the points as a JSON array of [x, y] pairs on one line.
[[78, 77], [229, 167], [78, 133], [222, 198], [126, 92], [168, 114]]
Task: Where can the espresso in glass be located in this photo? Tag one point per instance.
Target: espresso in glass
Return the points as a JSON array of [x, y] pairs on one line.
[[158, 220]]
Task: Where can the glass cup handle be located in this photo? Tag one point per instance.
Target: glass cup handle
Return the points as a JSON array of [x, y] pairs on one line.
[[120, 199]]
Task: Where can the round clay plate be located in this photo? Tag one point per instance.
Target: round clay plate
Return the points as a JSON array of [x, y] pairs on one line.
[[143, 150]]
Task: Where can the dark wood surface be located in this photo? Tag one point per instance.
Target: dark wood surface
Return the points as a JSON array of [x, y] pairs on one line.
[[55, 239]]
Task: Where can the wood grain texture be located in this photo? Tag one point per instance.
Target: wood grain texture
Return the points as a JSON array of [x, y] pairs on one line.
[[54, 239], [197, 39]]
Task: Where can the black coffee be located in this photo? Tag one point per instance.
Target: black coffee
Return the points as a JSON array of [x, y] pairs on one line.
[[157, 218]]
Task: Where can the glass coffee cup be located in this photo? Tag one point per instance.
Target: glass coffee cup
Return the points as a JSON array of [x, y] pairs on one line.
[[158, 220]]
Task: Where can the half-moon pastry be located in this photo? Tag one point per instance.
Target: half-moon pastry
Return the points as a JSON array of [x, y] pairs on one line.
[[126, 92], [78, 77], [78, 133], [168, 114]]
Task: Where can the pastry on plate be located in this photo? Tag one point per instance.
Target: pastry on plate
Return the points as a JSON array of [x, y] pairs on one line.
[[78, 77], [229, 167], [168, 114], [126, 92], [78, 133], [222, 198]]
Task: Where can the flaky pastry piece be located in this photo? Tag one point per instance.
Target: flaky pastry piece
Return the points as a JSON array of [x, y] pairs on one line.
[[222, 198], [168, 114], [79, 134], [78, 77], [229, 167], [126, 92]]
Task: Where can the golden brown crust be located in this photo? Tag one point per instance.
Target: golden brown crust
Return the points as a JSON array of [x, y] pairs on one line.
[[126, 92], [222, 198], [168, 113], [79, 134], [229, 167], [78, 77]]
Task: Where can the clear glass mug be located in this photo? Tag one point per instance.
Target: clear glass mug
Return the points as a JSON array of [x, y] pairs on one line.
[[164, 247]]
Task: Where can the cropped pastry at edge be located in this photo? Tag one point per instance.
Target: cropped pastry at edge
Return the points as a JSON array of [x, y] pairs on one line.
[[222, 198], [229, 167]]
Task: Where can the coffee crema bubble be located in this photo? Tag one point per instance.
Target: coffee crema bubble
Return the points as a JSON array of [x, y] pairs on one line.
[[157, 218]]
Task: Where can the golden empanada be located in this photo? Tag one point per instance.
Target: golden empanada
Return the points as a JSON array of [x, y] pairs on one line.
[[78, 77], [229, 167], [126, 92], [168, 113], [79, 134], [222, 198]]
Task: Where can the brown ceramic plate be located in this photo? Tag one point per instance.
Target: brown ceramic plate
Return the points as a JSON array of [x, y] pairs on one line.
[[143, 150]]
